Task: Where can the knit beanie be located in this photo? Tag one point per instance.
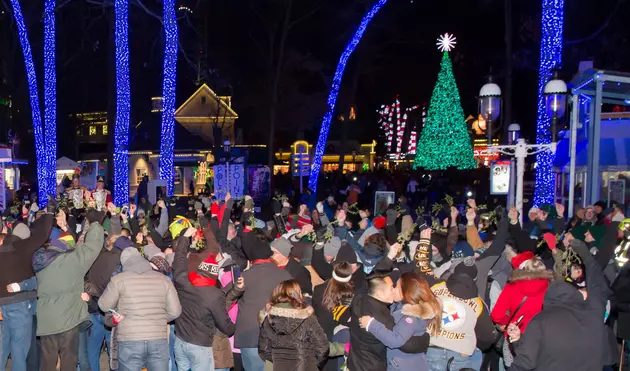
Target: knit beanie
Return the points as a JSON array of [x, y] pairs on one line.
[[161, 264], [467, 267], [347, 254], [462, 249], [380, 222], [283, 246], [21, 230], [255, 248], [207, 273], [332, 247], [519, 260]]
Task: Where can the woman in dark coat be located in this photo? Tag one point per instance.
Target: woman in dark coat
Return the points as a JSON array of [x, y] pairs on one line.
[[290, 336], [331, 301]]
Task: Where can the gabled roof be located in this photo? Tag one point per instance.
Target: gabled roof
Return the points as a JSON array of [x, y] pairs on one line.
[[192, 107], [149, 140]]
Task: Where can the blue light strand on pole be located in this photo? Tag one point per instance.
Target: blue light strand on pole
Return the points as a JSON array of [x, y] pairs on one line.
[[123, 104], [50, 97], [169, 82], [40, 148], [550, 58], [334, 92]]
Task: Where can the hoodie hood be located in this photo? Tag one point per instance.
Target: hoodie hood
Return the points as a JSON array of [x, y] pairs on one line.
[[285, 320], [561, 294], [531, 283], [132, 262]]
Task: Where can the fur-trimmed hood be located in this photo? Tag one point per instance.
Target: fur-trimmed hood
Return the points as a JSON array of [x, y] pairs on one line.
[[285, 319], [525, 275], [422, 311]]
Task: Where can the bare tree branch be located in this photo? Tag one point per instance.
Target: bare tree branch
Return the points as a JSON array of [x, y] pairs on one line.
[[305, 16]]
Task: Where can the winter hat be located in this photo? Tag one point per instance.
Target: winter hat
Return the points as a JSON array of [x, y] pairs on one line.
[[534, 210], [128, 254], [462, 249], [249, 202], [151, 251], [207, 273], [254, 247], [347, 254], [21, 230], [462, 285], [178, 225], [55, 233], [123, 243], [380, 222], [67, 238], [332, 247], [198, 205], [259, 224], [161, 265], [206, 202], [283, 246], [601, 204], [518, 262], [550, 210], [467, 267]]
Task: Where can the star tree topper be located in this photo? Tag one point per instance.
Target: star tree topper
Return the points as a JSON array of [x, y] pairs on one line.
[[446, 42]]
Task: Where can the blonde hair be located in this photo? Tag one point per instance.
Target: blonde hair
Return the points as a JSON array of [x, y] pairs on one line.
[[535, 264]]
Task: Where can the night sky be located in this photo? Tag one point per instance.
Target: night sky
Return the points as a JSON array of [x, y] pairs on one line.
[[237, 43]]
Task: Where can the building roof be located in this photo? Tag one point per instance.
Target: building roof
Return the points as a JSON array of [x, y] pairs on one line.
[[216, 106], [148, 139]]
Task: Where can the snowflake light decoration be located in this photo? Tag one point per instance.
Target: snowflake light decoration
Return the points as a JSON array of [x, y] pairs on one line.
[[446, 42]]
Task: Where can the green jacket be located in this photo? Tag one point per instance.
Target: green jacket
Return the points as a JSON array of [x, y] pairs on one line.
[[59, 286]]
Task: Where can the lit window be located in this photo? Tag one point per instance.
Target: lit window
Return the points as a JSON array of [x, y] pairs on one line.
[[92, 130], [104, 129]]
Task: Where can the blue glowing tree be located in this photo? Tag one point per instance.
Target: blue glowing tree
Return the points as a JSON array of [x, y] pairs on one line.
[[50, 97], [334, 92], [40, 144], [167, 145], [123, 104], [550, 58]]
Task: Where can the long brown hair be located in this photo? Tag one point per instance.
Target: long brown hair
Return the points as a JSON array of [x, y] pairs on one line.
[[415, 290], [288, 292], [337, 291]]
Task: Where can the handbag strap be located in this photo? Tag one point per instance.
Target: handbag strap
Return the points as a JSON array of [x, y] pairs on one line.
[[517, 309]]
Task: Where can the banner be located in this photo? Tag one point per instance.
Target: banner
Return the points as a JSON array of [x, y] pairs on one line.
[[229, 178], [259, 182]]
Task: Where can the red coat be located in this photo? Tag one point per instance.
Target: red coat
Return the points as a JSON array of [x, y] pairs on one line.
[[521, 283]]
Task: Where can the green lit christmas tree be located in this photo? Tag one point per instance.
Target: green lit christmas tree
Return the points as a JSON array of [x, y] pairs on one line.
[[445, 141]]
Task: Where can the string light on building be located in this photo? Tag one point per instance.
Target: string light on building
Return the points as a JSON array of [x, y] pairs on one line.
[[334, 92], [40, 147], [123, 104], [50, 97], [167, 146], [550, 58]]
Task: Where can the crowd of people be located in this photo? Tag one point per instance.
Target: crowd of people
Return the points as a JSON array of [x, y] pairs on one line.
[[322, 285]]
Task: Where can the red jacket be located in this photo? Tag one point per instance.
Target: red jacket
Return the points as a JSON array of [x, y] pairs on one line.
[[521, 283]]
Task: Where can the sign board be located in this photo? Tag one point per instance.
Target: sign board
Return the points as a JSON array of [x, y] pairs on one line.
[[300, 164], [616, 191], [382, 200], [499, 177]]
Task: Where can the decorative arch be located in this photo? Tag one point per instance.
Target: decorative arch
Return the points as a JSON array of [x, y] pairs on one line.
[[334, 92]]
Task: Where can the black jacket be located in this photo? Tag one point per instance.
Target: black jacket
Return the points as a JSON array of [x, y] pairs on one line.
[[329, 320], [16, 257], [204, 308], [367, 353], [98, 277], [292, 339], [300, 274], [569, 334]]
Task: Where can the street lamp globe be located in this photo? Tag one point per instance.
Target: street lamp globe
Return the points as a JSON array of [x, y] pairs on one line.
[[555, 93], [490, 105], [227, 146], [514, 133]]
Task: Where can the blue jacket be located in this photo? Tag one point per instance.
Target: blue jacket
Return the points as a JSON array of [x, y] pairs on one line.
[[410, 320]]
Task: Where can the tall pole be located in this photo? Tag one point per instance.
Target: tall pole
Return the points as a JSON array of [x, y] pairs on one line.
[[574, 124], [507, 91], [520, 153]]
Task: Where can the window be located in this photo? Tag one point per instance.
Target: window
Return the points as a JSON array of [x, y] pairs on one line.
[[104, 129], [140, 173], [92, 130], [203, 99]]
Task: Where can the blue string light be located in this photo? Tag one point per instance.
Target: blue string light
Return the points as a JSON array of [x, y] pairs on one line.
[[550, 58], [167, 146], [334, 92], [123, 104], [40, 149], [50, 96]]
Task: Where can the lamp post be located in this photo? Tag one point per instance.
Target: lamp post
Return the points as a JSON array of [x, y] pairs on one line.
[[514, 133], [555, 93], [490, 105], [556, 105]]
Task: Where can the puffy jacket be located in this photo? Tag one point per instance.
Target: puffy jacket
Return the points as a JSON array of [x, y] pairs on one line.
[[521, 284], [146, 298], [292, 339], [60, 284], [203, 307]]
